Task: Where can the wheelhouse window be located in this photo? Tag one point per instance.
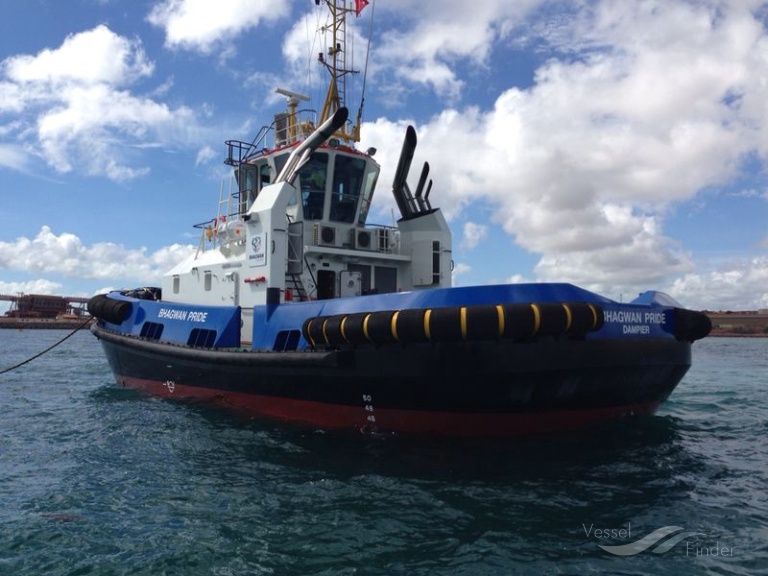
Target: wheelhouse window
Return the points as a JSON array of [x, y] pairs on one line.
[[279, 165], [367, 196], [264, 176], [348, 174], [246, 192], [252, 178], [280, 161], [312, 178]]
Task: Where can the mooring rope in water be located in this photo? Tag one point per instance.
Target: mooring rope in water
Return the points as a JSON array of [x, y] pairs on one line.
[[28, 360]]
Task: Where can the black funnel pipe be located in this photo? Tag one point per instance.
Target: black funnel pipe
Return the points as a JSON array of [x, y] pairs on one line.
[[426, 196], [420, 188], [399, 185]]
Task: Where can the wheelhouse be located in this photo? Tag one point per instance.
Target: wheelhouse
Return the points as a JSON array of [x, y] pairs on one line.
[[335, 185]]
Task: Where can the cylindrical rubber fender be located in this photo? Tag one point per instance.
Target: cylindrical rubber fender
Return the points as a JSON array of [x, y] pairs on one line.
[[331, 330], [336, 330], [554, 318], [96, 305], [444, 324], [455, 324], [313, 330], [409, 325], [585, 317], [483, 322], [520, 321], [353, 326], [378, 327], [108, 309], [116, 311], [691, 325]]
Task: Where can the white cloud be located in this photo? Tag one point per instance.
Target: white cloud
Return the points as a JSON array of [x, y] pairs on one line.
[[517, 279], [39, 286], [648, 105], [205, 155], [75, 104], [94, 121], [424, 49], [12, 99], [66, 255], [750, 193], [639, 107], [474, 234], [13, 157], [460, 269], [93, 57], [738, 285], [203, 25]]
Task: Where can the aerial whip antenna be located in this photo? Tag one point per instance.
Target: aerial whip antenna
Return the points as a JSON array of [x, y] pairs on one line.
[[365, 69]]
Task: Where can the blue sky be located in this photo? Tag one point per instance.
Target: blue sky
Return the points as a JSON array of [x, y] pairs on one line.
[[617, 145]]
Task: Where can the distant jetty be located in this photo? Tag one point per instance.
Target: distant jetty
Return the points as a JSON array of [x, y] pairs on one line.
[[43, 311], [739, 324], [43, 323]]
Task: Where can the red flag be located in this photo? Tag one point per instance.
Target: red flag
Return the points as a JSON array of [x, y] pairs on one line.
[[359, 5]]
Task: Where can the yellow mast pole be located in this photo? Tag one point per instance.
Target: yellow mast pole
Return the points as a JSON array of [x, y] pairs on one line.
[[337, 69]]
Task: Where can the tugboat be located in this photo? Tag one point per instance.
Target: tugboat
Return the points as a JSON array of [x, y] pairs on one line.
[[295, 307]]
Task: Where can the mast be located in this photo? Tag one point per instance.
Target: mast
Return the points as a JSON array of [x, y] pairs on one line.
[[335, 61]]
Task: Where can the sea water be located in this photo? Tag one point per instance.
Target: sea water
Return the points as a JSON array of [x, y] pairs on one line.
[[99, 480]]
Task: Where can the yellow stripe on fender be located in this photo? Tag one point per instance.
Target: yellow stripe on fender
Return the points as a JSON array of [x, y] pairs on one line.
[[393, 325], [309, 333], [463, 322], [365, 327], [500, 314], [341, 329], [427, 315], [536, 319], [594, 317], [568, 316], [325, 335]]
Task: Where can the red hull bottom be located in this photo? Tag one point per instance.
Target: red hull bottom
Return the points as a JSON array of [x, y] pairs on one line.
[[367, 417]]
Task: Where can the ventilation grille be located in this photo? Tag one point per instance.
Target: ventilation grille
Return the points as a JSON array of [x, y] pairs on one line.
[[325, 235], [364, 240]]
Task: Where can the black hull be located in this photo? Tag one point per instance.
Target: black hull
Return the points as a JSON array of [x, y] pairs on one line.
[[463, 388]]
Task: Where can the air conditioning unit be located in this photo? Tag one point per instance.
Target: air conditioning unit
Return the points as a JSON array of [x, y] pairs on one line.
[[363, 240], [324, 235]]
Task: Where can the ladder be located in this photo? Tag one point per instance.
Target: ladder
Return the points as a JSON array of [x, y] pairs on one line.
[[296, 260], [294, 283]]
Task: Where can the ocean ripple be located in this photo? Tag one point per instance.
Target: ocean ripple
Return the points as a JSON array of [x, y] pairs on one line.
[[101, 480]]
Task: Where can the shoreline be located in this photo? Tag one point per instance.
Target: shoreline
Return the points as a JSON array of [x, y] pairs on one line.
[[41, 324], [739, 324], [735, 335]]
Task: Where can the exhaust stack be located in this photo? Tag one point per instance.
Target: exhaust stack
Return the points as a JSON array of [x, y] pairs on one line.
[[410, 205], [303, 151]]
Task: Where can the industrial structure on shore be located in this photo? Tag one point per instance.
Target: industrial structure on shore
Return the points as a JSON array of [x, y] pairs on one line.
[[43, 311]]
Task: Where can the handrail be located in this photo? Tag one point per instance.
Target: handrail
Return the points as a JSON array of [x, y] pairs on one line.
[[247, 150], [300, 155]]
